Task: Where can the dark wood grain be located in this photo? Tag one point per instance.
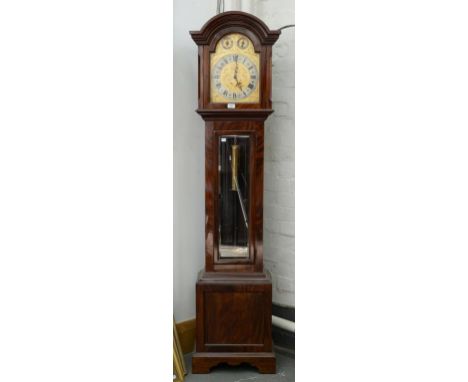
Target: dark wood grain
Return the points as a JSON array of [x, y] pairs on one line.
[[234, 19], [264, 362], [236, 114], [255, 130], [234, 295], [241, 304], [233, 316], [210, 195], [207, 38]]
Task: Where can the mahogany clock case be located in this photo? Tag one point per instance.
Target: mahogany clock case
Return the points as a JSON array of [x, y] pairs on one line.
[[234, 294], [244, 119], [233, 323], [207, 39]]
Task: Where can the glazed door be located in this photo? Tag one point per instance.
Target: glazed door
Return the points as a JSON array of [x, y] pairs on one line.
[[234, 195]]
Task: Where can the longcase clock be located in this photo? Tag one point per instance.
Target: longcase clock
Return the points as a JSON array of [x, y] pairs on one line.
[[233, 292]]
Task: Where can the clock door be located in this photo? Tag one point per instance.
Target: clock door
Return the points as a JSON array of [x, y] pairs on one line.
[[234, 182], [234, 196]]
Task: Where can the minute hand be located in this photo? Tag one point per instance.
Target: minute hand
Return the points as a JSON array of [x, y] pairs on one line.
[[238, 83]]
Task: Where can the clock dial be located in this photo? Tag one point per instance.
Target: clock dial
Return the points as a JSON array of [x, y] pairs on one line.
[[227, 43], [235, 71], [242, 43], [235, 77]]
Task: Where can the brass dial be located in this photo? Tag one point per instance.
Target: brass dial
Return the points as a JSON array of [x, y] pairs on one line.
[[235, 77], [235, 71]]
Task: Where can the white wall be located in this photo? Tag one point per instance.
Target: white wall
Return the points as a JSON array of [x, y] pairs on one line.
[[189, 153], [278, 213], [189, 157]]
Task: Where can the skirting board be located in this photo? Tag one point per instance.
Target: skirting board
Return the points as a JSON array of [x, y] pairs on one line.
[[186, 331], [281, 337]]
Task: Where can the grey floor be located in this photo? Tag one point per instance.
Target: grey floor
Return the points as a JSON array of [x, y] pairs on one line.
[[244, 373]]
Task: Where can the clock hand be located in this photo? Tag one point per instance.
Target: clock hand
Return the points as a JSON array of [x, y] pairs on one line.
[[236, 69]]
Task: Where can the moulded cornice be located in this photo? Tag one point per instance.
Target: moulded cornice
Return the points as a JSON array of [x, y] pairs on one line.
[[232, 20], [239, 114]]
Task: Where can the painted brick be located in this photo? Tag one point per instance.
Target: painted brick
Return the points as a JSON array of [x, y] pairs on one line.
[[279, 153], [282, 199], [285, 284], [277, 212], [279, 184], [287, 228], [282, 169], [285, 94], [282, 108], [281, 242]]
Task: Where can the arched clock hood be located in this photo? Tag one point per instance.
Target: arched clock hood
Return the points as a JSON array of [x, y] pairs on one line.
[[234, 21]]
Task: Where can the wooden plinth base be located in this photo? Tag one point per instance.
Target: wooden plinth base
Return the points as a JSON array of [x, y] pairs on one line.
[[203, 362], [233, 321]]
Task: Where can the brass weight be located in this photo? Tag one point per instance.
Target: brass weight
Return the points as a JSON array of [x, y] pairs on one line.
[[234, 166]]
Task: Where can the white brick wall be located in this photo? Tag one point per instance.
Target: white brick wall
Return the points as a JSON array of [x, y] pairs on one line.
[[279, 233]]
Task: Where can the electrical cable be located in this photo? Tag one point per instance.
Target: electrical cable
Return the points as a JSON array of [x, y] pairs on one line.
[[219, 7], [287, 26]]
